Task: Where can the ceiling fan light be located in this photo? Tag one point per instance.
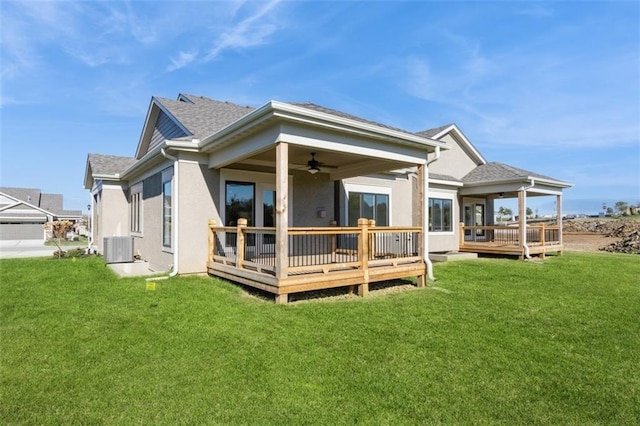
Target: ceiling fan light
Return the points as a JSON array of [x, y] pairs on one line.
[[314, 165]]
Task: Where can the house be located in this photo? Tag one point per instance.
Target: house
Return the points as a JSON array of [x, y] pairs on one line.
[[24, 211], [290, 197]]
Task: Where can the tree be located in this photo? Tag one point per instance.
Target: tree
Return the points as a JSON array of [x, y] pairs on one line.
[[622, 206], [529, 212], [504, 211], [56, 231]]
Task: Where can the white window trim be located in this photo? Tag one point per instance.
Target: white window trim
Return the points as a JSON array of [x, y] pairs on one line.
[[445, 196], [167, 176], [260, 180], [368, 189], [137, 189]]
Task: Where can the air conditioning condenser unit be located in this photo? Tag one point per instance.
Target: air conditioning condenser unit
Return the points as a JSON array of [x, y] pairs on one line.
[[118, 249]]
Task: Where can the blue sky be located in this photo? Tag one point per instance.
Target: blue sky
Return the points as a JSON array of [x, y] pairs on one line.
[[551, 87]]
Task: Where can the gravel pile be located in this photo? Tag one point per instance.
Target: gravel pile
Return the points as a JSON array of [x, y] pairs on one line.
[[628, 244], [628, 230]]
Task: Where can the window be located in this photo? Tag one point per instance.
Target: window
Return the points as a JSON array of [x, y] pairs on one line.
[[239, 199], [135, 202], [440, 215], [368, 206], [167, 199]]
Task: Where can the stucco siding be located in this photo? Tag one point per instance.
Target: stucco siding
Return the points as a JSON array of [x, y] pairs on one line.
[[113, 214], [199, 187], [454, 161], [445, 241], [312, 194], [148, 244]]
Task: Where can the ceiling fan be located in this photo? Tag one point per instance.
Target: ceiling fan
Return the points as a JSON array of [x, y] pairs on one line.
[[313, 165]]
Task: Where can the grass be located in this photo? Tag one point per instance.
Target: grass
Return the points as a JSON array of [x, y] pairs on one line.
[[493, 342], [80, 240]]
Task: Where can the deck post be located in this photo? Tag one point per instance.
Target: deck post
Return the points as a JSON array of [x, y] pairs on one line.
[[363, 252], [522, 222], [282, 210], [559, 219], [242, 223], [282, 299], [333, 240], [461, 235], [372, 239], [212, 224], [542, 243]]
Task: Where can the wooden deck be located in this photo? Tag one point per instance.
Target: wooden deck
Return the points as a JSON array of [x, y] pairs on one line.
[[540, 239], [318, 258]]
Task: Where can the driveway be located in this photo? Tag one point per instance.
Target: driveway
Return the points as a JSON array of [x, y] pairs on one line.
[[28, 248]]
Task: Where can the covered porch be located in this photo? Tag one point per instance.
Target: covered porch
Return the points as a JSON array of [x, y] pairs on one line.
[[298, 238], [491, 182]]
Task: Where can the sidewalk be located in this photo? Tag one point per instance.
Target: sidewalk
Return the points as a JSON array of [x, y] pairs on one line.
[[29, 248]]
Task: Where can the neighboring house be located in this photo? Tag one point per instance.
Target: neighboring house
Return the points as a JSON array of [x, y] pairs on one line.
[[278, 197], [24, 211]]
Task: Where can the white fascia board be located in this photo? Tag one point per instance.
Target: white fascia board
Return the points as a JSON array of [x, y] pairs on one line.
[[324, 119], [464, 139], [446, 182], [418, 158], [318, 119]]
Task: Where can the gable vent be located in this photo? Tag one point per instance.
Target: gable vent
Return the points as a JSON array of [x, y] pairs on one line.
[[118, 249]]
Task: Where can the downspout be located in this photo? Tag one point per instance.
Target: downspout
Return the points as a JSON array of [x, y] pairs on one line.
[[524, 223], [175, 200], [425, 214]]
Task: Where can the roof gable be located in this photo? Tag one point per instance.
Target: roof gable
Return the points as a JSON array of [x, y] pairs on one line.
[[100, 166], [190, 117], [465, 144], [10, 205]]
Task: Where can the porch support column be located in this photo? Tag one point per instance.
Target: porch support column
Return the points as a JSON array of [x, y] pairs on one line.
[[522, 222], [559, 218], [282, 210], [422, 244], [423, 208]]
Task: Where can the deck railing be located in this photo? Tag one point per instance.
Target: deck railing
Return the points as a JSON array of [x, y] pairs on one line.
[[314, 249], [509, 235]]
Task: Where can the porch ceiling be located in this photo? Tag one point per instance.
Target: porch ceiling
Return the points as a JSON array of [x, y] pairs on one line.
[[339, 165]]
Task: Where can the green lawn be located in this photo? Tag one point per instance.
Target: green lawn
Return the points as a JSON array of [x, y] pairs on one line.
[[492, 342]]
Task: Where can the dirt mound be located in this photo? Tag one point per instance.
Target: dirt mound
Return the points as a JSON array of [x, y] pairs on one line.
[[627, 231], [611, 228], [628, 244]]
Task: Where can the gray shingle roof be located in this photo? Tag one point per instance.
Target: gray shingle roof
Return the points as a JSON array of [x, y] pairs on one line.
[[52, 203], [109, 164], [429, 133], [443, 177], [496, 172], [320, 108], [203, 116], [29, 195]]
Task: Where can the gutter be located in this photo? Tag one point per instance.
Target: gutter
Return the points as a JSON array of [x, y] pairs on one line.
[[174, 197], [524, 223], [425, 214]]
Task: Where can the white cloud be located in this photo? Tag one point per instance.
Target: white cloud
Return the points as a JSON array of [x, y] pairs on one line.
[[251, 31], [183, 59]]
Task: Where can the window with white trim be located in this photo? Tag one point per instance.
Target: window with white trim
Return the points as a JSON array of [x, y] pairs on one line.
[[369, 206], [135, 203], [167, 207], [440, 215]]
